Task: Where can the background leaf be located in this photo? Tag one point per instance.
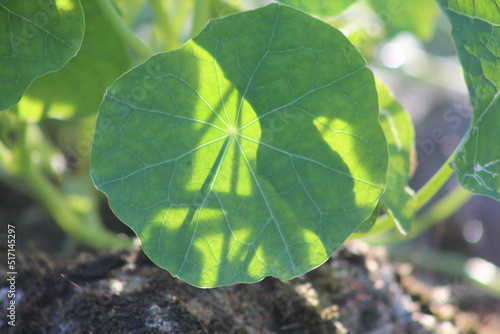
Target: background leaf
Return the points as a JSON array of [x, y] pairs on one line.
[[36, 37], [398, 199], [252, 151], [320, 7], [476, 34], [417, 17], [77, 89]]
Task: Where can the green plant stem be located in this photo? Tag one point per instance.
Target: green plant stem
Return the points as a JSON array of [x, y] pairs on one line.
[[130, 12], [164, 26], [183, 8], [443, 209], [439, 212], [423, 196], [434, 184], [201, 15], [127, 35], [92, 234]]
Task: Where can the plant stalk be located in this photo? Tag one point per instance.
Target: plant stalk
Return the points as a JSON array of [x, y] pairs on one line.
[[439, 212], [436, 182], [69, 221], [422, 197], [127, 35], [201, 15], [164, 27], [183, 8], [443, 209], [91, 234]]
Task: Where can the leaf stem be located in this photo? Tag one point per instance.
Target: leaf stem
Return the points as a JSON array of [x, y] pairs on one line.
[[434, 184], [439, 212], [423, 196], [181, 14], [92, 234], [164, 27], [201, 15], [443, 209], [127, 35]]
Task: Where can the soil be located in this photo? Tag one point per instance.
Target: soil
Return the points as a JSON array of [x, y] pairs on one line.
[[356, 291]]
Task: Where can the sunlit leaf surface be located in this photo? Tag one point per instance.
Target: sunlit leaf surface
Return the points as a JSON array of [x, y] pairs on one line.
[[253, 151]]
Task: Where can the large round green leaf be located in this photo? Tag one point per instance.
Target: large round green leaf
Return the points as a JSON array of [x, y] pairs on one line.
[[254, 150], [36, 37]]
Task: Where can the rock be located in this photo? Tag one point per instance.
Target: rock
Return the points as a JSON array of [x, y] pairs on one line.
[[356, 291]]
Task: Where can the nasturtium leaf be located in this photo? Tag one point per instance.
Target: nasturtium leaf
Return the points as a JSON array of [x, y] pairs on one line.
[[476, 33], [36, 37], [252, 151], [76, 90], [399, 199], [320, 7], [417, 17]]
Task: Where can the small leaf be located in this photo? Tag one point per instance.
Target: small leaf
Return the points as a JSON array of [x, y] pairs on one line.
[[476, 33], [36, 37], [320, 7], [398, 199], [406, 15], [368, 223], [76, 90], [252, 151]]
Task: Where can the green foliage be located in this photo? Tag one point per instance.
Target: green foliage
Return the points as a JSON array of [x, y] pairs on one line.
[[367, 224], [320, 7], [76, 90], [35, 38], [279, 166], [406, 15], [399, 201], [476, 33]]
